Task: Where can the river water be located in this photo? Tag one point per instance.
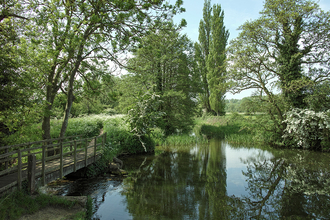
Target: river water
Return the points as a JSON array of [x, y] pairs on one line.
[[214, 181]]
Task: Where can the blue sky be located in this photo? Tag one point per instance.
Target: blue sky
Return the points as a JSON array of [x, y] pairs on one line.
[[236, 13]]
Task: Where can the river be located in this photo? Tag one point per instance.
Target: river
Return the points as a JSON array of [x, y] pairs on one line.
[[214, 181]]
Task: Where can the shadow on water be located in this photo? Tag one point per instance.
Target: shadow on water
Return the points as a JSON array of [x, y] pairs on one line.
[[215, 181]]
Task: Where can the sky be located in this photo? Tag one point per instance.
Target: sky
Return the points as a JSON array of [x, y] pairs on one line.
[[236, 13]]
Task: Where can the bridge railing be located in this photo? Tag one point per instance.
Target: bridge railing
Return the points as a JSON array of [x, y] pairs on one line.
[[15, 157]]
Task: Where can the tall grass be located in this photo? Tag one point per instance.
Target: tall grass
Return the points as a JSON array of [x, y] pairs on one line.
[[16, 204], [234, 128], [88, 126], [184, 139]]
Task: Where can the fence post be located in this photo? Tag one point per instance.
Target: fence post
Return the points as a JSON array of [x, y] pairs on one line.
[[6, 163], [86, 147], [104, 139], [31, 173], [95, 139], [70, 139], [19, 170], [43, 164], [61, 159], [75, 155]]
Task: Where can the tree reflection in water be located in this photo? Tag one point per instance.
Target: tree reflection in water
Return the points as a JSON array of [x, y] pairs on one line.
[[287, 187], [191, 183]]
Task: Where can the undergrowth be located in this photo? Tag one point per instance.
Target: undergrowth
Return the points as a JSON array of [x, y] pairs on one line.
[[16, 204]]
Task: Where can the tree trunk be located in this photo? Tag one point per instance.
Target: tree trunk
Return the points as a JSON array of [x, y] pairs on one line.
[[46, 119], [70, 97]]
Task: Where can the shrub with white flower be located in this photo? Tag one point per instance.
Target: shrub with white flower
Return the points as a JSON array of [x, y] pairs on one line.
[[308, 129], [145, 115]]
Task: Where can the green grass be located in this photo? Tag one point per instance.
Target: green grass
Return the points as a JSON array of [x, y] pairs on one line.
[[234, 128], [184, 139], [16, 204]]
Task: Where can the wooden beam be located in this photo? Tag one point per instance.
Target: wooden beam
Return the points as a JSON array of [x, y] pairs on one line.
[[31, 173], [19, 170]]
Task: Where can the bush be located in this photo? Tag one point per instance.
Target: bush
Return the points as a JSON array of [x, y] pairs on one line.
[[307, 129], [119, 137]]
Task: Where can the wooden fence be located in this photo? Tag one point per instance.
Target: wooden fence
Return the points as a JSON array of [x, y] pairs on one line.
[[14, 158]]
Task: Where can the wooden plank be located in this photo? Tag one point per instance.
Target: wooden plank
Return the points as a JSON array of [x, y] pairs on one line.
[[95, 139], [19, 170], [6, 163], [43, 181], [31, 173], [9, 170], [37, 142], [7, 154], [61, 160], [75, 156], [86, 148]]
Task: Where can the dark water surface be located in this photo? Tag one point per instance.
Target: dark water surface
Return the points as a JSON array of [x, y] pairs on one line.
[[215, 181]]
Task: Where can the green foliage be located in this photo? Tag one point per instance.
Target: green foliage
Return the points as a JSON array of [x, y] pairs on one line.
[[16, 204], [163, 63], [101, 166], [86, 126], [268, 56], [183, 140], [319, 97], [210, 57], [17, 86], [89, 208], [119, 137], [307, 129], [145, 115], [253, 104], [215, 61]]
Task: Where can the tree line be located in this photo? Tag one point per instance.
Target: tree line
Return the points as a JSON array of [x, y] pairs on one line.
[[57, 60]]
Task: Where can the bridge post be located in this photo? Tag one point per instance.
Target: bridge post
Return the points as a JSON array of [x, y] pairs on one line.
[[19, 170], [43, 162], [95, 139], [31, 173], [61, 159], [6, 163], [75, 155], [86, 147]]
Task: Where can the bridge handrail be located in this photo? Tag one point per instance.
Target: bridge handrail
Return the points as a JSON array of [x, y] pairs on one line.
[[37, 142], [70, 147]]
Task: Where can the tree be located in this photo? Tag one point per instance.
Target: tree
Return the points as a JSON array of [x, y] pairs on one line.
[[163, 63], [210, 55], [285, 49], [18, 86], [216, 62], [79, 37], [145, 115]]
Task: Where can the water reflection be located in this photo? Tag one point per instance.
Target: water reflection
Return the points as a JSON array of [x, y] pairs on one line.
[[219, 181]]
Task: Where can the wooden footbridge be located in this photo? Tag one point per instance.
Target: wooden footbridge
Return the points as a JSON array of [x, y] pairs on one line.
[[46, 160]]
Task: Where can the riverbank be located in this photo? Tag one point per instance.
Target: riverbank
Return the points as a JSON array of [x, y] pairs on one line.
[[19, 205]]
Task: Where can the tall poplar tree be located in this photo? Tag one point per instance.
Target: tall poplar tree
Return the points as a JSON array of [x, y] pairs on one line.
[[210, 57], [216, 70]]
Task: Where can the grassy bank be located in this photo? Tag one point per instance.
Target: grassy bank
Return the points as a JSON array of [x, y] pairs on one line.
[[234, 128], [18, 204]]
